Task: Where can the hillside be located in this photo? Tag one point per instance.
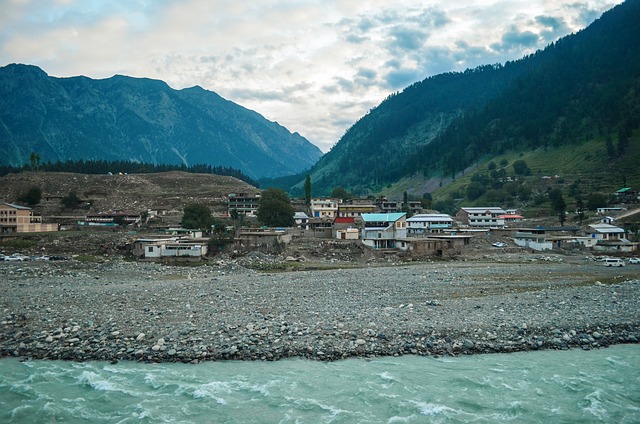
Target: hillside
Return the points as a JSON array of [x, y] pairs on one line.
[[585, 88], [141, 120], [133, 192]]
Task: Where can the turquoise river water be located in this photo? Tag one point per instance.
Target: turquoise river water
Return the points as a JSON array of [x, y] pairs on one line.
[[547, 386]]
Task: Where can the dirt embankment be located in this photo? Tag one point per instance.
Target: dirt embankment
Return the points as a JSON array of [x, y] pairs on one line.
[[133, 192]]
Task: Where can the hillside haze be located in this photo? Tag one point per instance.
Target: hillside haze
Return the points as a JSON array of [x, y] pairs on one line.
[[142, 120], [584, 87]]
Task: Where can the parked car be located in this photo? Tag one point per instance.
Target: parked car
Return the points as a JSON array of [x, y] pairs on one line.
[[43, 258], [57, 258], [16, 257], [499, 244], [634, 260], [613, 262]]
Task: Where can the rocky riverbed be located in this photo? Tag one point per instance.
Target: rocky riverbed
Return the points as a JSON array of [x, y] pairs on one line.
[[121, 310]]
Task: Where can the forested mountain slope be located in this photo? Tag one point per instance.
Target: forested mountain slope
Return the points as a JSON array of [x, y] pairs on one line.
[[583, 86], [139, 119]]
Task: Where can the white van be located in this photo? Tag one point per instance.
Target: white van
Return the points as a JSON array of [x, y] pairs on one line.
[[613, 262]]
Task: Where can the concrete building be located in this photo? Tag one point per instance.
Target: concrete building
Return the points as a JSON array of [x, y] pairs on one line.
[[423, 224], [301, 220], [384, 230], [482, 217], [354, 210], [243, 204], [21, 219], [324, 208]]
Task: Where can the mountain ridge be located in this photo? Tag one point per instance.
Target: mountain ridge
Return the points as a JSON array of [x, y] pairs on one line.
[[139, 119], [536, 101]]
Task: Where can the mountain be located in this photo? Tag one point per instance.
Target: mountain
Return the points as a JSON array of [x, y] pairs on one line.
[[139, 119], [585, 86]]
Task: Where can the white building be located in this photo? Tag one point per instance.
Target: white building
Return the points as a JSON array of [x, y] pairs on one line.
[[324, 208], [483, 217], [427, 223], [301, 220], [385, 230]]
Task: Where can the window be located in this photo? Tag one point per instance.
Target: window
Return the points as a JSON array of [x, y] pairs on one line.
[[150, 249]]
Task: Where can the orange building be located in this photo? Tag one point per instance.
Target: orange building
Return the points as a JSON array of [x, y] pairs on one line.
[[20, 219]]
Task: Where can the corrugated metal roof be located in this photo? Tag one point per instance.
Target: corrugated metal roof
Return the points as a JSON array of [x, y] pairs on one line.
[[382, 217], [429, 217], [17, 206]]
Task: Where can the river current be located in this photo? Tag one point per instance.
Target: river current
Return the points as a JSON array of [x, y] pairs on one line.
[[546, 386]]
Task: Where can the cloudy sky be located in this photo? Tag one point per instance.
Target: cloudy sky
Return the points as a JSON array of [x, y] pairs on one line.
[[314, 66]]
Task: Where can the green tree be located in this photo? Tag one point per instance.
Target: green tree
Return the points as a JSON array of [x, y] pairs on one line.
[[405, 205], [426, 201], [580, 209], [341, 193], [70, 201], [475, 190], [447, 205], [197, 216], [524, 192], [307, 190], [520, 167], [491, 166], [32, 196], [595, 201], [558, 204], [35, 161], [275, 208]]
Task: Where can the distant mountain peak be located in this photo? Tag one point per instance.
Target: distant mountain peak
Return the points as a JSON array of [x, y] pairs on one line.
[[139, 119]]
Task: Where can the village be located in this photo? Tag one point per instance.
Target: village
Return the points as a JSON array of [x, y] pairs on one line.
[[352, 229]]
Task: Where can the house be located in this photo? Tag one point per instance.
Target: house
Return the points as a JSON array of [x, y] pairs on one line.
[[301, 220], [414, 206], [445, 246], [111, 218], [606, 232], [265, 240], [610, 238], [422, 224], [21, 219], [324, 208], [184, 232], [607, 220], [388, 206], [170, 248], [348, 234], [320, 228], [511, 218], [384, 230], [243, 204], [533, 238], [345, 227], [354, 210], [483, 217], [627, 195], [602, 211]]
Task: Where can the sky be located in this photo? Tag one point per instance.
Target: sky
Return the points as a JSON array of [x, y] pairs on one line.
[[313, 66]]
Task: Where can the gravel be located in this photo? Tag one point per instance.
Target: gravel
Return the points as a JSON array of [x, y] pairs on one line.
[[121, 310]]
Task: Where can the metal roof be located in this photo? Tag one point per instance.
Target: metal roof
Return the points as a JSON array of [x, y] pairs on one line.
[[17, 206], [430, 217], [382, 217]]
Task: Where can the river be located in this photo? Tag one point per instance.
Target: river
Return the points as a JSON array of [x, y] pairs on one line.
[[530, 387]]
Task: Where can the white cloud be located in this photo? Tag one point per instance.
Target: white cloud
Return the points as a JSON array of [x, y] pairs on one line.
[[314, 66]]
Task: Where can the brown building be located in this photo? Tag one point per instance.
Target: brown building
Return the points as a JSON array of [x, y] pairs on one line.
[[20, 219]]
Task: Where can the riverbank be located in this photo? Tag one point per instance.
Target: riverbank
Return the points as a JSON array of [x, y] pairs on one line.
[[121, 310]]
